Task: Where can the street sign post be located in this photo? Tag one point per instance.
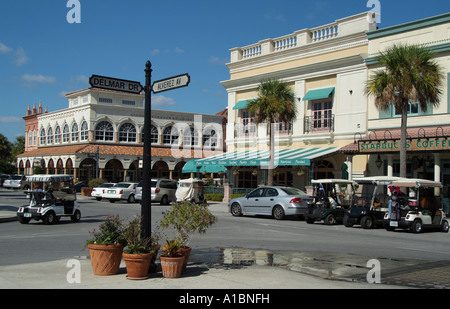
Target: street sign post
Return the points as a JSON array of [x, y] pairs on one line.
[[110, 83], [171, 83]]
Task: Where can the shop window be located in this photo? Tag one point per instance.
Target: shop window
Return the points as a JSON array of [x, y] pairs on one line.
[[170, 136], [190, 137]]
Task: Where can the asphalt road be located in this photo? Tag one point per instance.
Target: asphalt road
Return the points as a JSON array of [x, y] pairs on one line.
[[36, 242]]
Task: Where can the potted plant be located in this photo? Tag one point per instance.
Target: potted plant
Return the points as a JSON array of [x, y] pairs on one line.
[[171, 260], [139, 251], [188, 218], [86, 191], [255, 172], [106, 246]]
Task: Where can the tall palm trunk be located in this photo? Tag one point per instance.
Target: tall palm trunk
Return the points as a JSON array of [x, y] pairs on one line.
[[403, 130]]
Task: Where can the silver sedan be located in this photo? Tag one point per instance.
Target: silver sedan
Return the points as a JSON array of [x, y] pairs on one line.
[[275, 201]]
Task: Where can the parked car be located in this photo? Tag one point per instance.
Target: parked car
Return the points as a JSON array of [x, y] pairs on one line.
[[53, 198], [80, 184], [370, 202], [162, 190], [16, 182], [121, 191], [417, 210], [331, 198], [190, 190], [3, 177], [99, 191], [278, 202]]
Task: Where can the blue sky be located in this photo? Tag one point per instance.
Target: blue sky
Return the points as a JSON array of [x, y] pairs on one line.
[[42, 56]]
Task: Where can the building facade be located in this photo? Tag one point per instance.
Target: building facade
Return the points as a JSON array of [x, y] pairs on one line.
[[100, 135]]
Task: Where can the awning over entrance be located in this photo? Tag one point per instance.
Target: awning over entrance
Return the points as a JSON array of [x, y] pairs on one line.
[[241, 105], [318, 94], [284, 157]]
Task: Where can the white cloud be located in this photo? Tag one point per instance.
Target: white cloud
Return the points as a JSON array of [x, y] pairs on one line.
[[82, 78], [155, 52], [29, 78], [5, 49], [162, 101], [6, 119], [21, 57], [217, 60], [179, 50]]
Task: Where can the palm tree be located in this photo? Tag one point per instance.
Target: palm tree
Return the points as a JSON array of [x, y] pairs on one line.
[[275, 103], [410, 75]]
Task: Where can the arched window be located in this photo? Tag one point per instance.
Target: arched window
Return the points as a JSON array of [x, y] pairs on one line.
[[57, 135], [66, 133], [42, 137], [127, 133], [190, 137], [154, 135], [170, 136], [210, 138], [50, 136], [104, 131], [84, 131], [74, 132]]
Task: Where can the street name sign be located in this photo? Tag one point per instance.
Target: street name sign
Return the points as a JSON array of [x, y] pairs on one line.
[[110, 83], [171, 83]]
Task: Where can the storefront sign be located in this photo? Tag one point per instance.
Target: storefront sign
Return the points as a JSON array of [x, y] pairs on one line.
[[415, 144]]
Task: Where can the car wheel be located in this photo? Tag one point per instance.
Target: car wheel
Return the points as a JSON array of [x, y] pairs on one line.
[[23, 220], [416, 227], [236, 210], [367, 223], [278, 212], [330, 219], [112, 201], [98, 198], [76, 216], [444, 227], [131, 198], [50, 218], [164, 200]]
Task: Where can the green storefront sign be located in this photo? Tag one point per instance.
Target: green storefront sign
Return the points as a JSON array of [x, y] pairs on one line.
[[417, 144]]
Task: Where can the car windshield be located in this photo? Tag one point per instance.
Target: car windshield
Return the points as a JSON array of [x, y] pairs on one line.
[[106, 185], [122, 185], [293, 191]]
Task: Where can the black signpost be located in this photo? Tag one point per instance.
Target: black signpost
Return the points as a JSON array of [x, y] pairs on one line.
[[167, 84]]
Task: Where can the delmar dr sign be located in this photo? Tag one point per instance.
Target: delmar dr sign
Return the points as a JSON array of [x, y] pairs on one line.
[[171, 83], [115, 84]]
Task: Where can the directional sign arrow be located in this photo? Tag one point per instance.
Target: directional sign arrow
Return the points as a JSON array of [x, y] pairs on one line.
[[171, 83], [115, 84]]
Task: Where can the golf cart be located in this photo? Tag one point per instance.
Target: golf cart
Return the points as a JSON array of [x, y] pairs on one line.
[[331, 198], [52, 197], [370, 202], [190, 190], [418, 210]]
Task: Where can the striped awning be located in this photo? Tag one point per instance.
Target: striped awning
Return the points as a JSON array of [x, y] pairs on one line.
[[283, 157]]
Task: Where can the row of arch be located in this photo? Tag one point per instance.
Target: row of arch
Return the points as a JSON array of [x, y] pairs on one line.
[[128, 133]]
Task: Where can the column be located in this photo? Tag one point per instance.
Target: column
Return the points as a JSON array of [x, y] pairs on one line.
[[390, 167], [437, 172], [350, 167]]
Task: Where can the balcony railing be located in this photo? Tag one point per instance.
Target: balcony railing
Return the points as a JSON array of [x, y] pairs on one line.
[[315, 124]]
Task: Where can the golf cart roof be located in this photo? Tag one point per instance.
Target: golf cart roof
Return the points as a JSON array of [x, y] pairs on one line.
[[415, 182], [49, 178], [344, 181], [190, 180], [379, 180]]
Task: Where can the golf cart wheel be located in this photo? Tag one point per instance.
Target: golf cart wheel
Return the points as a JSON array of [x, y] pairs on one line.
[[50, 218], [310, 220], [330, 219], [346, 223], [236, 210], [23, 220], [444, 227], [76, 216], [416, 227], [278, 212], [367, 223]]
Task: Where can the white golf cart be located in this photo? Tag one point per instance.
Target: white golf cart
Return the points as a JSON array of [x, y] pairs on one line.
[[190, 190], [418, 210], [51, 197]]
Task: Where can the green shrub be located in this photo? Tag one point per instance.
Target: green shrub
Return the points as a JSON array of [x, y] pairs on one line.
[[236, 195], [218, 197], [96, 182]]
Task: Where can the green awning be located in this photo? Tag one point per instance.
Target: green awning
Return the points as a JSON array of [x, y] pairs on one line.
[[193, 167], [241, 105], [318, 94]]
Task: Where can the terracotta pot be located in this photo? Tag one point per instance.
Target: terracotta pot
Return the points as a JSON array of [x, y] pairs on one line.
[[105, 259], [171, 266], [185, 252], [137, 265]]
